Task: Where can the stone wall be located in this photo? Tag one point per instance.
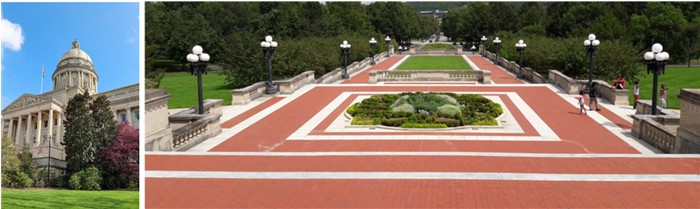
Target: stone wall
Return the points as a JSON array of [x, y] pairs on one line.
[[526, 73], [190, 128], [288, 86], [689, 130], [654, 130], [158, 133]]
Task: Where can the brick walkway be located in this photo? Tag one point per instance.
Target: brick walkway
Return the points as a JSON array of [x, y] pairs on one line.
[[284, 153]]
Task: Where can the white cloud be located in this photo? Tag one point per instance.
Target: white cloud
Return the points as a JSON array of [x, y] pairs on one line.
[[131, 36], [12, 37]]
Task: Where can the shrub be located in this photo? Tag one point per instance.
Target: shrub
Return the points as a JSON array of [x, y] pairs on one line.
[[448, 122], [362, 121], [87, 179], [393, 122], [422, 125], [449, 110], [21, 180], [352, 109]]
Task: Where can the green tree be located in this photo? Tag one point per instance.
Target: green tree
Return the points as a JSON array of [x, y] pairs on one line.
[[10, 160], [78, 137], [505, 14], [691, 40], [104, 128]]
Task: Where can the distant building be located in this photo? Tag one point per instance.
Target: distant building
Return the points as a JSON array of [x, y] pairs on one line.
[[437, 14], [37, 120]]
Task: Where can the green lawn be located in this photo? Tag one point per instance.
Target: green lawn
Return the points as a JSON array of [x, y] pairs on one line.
[[434, 63], [183, 88], [675, 79], [437, 46], [69, 199]]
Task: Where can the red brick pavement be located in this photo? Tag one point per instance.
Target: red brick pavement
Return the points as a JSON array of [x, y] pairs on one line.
[[498, 75], [579, 134]]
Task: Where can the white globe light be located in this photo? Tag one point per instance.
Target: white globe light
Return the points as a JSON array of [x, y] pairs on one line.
[[517, 45], [521, 41], [345, 42], [192, 58], [591, 37], [524, 45], [659, 57], [665, 55], [197, 49], [473, 47], [649, 56], [587, 42], [387, 38], [204, 57], [262, 44], [268, 38], [348, 46], [483, 38], [595, 42], [657, 48], [265, 44], [273, 44], [372, 41]]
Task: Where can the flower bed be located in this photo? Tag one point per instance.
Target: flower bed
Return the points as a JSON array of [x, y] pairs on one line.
[[425, 110]]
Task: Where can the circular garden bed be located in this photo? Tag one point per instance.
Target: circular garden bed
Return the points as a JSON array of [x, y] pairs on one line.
[[425, 110]]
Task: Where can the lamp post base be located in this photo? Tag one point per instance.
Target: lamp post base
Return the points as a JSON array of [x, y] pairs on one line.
[[345, 76], [270, 89]]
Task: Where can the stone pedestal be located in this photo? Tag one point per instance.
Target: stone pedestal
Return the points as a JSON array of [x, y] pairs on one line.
[[688, 133], [459, 50]]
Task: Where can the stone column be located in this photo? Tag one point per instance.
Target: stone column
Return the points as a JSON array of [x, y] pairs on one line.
[[51, 124], [37, 139], [115, 116], [9, 132], [80, 79], [128, 115], [29, 128], [70, 78], [60, 128], [18, 137]]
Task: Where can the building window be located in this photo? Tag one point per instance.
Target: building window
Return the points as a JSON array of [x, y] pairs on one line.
[[123, 116], [137, 115], [46, 124], [35, 126]]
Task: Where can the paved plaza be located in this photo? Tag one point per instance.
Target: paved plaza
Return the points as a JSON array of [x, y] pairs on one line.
[[298, 151]]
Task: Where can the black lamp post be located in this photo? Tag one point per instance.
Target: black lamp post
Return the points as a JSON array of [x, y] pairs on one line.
[[373, 45], [591, 45], [483, 43], [345, 48], [656, 63], [388, 41], [497, 45], [520, 47], [198, 66], [269, 47], [473, 49]]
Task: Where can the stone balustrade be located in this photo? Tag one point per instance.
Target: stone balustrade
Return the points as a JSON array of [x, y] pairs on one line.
[[565, 83], [288, 86], [483, 76], [688, 133], [653, 130], [644, 108], [245, 95], [526, 73], [190, 128]]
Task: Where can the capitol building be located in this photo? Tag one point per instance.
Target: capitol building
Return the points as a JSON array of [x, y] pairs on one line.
[[37, 120]]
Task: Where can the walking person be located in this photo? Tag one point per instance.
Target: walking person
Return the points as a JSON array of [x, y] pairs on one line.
[[662, 97], [635, 92], [592, 95], [581, 102]]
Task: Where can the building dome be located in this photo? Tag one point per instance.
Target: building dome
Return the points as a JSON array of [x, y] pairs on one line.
[[76, 56], [75, 69]]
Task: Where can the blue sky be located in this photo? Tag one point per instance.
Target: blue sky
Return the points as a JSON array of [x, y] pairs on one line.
[[108, 32]]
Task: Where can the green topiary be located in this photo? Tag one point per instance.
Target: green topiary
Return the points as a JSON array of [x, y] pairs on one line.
[[404, 108]]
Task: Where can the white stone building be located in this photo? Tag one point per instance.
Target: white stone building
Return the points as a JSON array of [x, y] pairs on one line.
[[37, 120]]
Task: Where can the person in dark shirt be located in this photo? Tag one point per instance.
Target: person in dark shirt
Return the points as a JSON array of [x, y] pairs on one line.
[[593, 94]]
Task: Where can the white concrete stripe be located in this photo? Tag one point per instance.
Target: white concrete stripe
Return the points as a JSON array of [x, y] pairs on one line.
[[546, 133], [638, 145], [475, 154], [393, 67], [428, 176], [228, 133], [471, 64]]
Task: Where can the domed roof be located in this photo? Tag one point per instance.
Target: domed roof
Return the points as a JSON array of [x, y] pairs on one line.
[[75, 52]]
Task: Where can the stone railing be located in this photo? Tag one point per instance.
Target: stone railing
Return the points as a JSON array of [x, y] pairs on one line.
[[526, 73], [653, 130], [290, 85], [688, 134], [190, 128], [483, 76], [335, 75], [644, 108], [614, 96], [247, 94], [564, 82]]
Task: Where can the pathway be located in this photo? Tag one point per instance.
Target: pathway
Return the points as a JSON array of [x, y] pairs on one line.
[[287, 152]]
